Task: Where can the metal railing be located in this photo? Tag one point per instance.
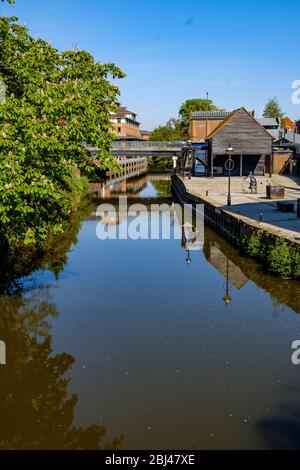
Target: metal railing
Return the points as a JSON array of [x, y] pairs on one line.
[[146, 145]]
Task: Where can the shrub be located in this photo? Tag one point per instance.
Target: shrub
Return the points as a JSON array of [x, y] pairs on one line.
[[254, 246], [296, 262], [280, 259]]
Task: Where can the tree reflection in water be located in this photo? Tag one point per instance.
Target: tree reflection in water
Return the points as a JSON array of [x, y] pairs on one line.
[[18, 260], [36, 409]]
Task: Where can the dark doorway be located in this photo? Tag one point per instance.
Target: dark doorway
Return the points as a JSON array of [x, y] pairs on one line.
[[219, 165], [254, 164]]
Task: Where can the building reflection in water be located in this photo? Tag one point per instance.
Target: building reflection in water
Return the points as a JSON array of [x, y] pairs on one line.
[[233, 275], [128, 186], [239, 270]]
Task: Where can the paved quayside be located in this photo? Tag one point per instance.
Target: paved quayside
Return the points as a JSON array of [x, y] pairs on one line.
[[254, 209]]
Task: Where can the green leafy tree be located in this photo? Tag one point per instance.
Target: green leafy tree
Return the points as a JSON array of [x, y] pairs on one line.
[[273, 109], [178, 129], [158, 164], [169, 132], [55, 101], [190, 106]]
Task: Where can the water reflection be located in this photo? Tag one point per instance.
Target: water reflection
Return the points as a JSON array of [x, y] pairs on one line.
[[282, 429], [133, 187], [190, 240], [238, 270], [36, 409], [172, 364], [21, 261]]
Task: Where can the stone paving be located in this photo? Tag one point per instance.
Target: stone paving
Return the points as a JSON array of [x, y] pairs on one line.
[[253, 206]]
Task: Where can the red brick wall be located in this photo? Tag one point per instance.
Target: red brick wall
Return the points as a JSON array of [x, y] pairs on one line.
[[282, 163]]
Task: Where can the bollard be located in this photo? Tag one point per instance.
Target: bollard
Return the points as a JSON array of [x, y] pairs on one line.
[[298, 207]]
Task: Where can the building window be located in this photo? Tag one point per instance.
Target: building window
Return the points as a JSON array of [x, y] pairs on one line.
[[119, 130], [119, 120]]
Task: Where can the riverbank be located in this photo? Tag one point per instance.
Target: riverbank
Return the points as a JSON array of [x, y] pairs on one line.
[[276, 247]]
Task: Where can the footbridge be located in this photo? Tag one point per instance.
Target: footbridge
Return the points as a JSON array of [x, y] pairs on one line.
[[142, 148]]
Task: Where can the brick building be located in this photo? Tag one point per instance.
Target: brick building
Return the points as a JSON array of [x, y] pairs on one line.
[[288, 125], [126, 125], [202, 123]]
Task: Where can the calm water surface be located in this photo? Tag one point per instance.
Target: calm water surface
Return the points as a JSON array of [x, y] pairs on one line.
[[128, 336]]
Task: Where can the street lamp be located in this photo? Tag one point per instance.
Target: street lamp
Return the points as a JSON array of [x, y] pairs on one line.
[[188, 259], [229, 166], [227, 298]]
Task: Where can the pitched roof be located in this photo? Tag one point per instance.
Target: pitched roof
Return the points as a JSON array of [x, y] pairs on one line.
[[122, 111], [268, 121], [274, 133], [229, 118], [291, 137]]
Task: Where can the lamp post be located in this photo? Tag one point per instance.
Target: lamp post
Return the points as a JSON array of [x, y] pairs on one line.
[[188, 259], [229, 166], [227, 298]]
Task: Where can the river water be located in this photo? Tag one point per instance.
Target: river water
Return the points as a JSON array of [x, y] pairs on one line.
[[161, 347]]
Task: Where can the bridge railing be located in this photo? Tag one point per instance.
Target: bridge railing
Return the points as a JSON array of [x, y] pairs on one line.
[[145, 145]]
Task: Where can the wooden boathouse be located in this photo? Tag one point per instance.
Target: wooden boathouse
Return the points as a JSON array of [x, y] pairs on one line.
[[251, 142]]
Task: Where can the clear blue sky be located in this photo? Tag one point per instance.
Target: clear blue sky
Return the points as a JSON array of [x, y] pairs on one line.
[[241, 52]]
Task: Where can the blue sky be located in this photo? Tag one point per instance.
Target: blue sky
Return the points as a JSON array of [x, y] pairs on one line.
[[241, 52]]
